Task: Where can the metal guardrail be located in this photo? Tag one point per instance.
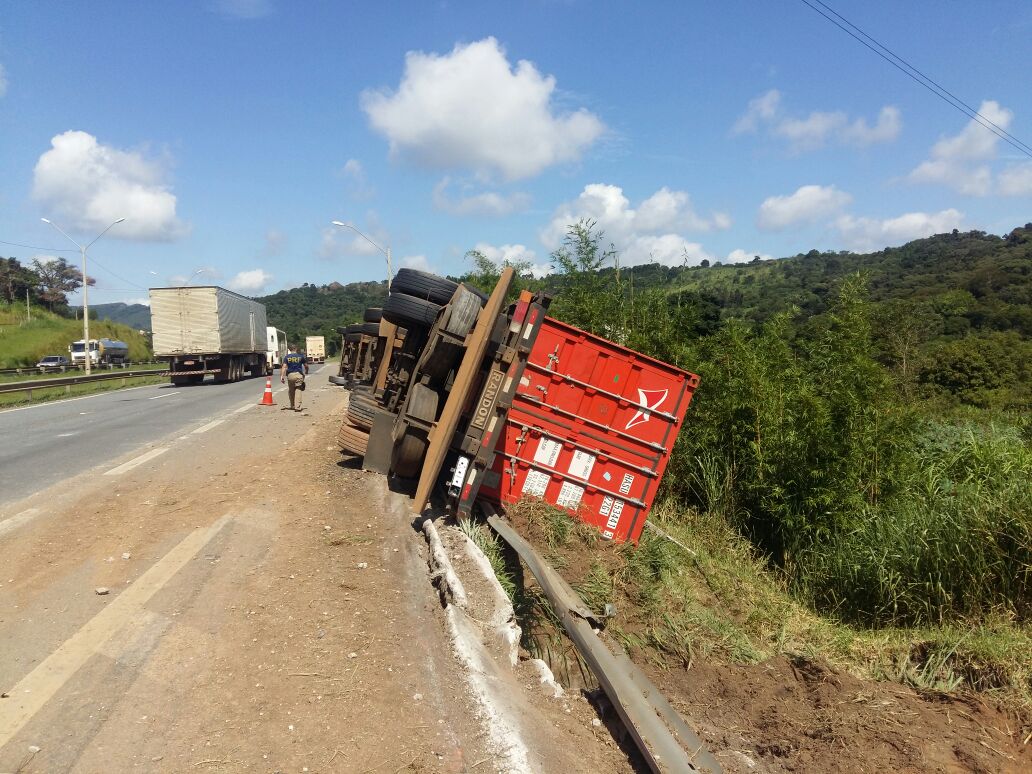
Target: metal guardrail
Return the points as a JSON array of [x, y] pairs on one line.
[[27, 370], [666, 742], [70, 381]]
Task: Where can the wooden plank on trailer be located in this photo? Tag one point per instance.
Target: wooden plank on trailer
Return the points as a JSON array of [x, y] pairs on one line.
[[476, 345], [389, 332]]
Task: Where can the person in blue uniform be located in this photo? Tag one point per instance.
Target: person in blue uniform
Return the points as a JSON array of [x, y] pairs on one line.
[[293, 373]]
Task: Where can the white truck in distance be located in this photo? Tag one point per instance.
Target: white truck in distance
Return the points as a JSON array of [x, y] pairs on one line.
[[276, 349], [204, 330], [102, 352], [315, 349]]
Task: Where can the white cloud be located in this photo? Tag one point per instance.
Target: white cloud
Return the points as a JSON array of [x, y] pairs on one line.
[[864, 234], [652, 232], [354, 173], [761, 109], [808, 204], [251, 282], [3, 81], [1016, 180], [487, 203], [961, 162], [745, 256], [143, 301], [418, 262], [86, 186], [275, 242], [513, 254], [819, 128], [244, 9], [470, 109]]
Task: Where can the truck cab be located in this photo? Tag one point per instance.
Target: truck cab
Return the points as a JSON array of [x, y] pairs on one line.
[[276, 349]]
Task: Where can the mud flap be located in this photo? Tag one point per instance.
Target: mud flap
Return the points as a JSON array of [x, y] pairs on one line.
[[381, 444]]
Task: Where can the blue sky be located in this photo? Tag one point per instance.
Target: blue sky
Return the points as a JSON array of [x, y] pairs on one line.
[[229, 133]]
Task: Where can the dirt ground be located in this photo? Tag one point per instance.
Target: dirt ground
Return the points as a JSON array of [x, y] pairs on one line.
[[304, 635], [797, 715]]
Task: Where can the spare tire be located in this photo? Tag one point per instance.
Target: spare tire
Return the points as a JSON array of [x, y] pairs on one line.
[[422, 284], [373, 314], [408, 311]]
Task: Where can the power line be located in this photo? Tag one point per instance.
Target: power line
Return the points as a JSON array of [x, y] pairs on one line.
[[35, 247], [912, 72]]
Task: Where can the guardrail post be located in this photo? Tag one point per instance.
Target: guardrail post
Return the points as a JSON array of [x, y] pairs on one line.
[[123, 381], [68, 389]]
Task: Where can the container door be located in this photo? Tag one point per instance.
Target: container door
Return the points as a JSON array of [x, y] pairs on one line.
[[253, 348]]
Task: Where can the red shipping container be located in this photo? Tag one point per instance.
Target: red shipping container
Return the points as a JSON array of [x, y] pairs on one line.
[[591, 429]]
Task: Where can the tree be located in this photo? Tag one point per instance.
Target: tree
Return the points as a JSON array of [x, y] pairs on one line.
[[57, 278], [15, 280]]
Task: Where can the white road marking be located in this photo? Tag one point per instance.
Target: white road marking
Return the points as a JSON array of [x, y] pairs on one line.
[[243, 408], [37, 687], [166, 395], [209, 426], [11, 524], [127, 466], [66, 435]]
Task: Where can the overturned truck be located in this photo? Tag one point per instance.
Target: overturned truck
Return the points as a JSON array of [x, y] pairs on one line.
[[495, 400]]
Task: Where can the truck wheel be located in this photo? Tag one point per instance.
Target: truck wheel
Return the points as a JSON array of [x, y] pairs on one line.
[[371, 328], [196, 378], [361, 410], [340, 381], [409, 452], [180, 381], [409, 311], [477, 292], [423, 284], [462, 312], [373, 314], [352, 440]]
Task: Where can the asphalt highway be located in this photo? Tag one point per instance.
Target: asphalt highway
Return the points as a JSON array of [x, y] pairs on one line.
[[44, 444]]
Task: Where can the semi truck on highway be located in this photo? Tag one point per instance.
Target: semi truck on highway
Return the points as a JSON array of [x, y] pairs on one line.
[[277, 348], [102, 352], [208, 330], [315, 348]]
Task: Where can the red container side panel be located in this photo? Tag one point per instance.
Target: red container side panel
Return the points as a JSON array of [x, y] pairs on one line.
[[591, 429]]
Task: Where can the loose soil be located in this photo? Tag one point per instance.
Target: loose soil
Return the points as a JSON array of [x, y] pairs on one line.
[[792, 714]]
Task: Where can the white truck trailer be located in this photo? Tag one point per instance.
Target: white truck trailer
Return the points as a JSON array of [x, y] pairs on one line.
[[208, 330], [315, 349], [102, 352], [276, 349]]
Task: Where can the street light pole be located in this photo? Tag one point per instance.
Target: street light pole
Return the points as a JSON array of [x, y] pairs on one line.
[[85, 289], [387, 252]]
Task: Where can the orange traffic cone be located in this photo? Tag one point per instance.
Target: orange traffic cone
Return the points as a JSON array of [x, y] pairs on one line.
[[267, 397]]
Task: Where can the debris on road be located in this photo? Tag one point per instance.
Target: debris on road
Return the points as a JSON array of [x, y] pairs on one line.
[[102, 591]]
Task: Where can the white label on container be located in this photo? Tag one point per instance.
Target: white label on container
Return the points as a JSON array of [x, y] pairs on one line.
[[570, 496], [581, 464], [607, 506], [614, 516], [547, 452], [625, 485], [535, 484], [607, 534]]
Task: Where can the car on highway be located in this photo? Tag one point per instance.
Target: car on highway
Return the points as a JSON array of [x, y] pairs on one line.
[[53, 362]]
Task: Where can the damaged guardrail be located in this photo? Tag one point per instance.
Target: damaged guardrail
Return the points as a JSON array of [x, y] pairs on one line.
[[661, 734]]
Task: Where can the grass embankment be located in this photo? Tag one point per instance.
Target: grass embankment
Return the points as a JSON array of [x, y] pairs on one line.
[[701, 593], [24, 343]]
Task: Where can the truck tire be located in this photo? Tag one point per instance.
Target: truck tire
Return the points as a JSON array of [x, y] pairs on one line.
[[340, 381], [353, 328], [371, 328], [409, 311], [352, 337], [422, 284], [373, 314], [462, 312], [477, 292], [352, 440], [407, 459], [361, 410]]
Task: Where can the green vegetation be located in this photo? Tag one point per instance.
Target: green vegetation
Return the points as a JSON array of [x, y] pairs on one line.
[[855, 482], [43, 395], [312, 310], [23, 343]]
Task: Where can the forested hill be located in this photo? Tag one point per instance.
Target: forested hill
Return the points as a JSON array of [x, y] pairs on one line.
[[974, 280], [313, 310]]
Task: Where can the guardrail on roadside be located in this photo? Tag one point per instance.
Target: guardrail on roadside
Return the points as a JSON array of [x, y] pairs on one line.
[[27, 370], [70, 381]]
